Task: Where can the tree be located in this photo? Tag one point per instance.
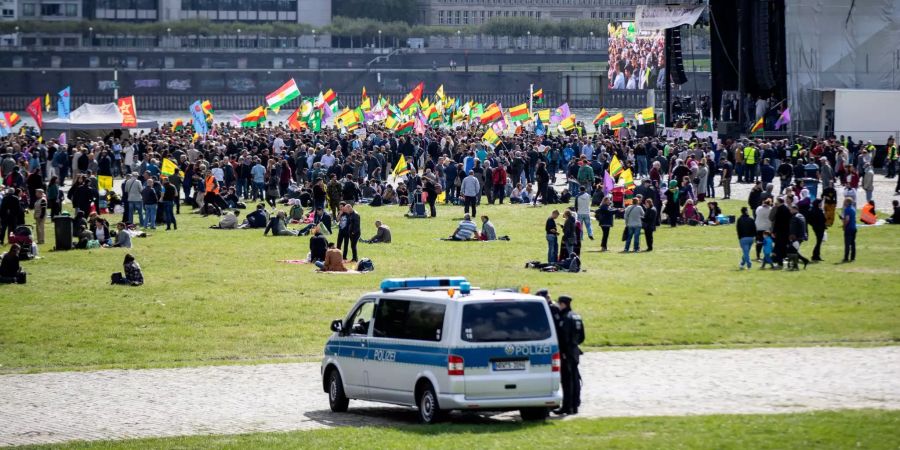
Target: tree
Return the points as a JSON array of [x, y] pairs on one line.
[[377, 10]]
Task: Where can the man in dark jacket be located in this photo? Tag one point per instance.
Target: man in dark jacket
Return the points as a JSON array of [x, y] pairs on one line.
[[746, 231], [649, 222], [11, 214], [318, 244], [798, 234], [816, 219], [349, 231], [571, 335], [781, 230]]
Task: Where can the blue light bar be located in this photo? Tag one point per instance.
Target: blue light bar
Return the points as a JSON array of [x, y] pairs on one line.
[[396, 284]]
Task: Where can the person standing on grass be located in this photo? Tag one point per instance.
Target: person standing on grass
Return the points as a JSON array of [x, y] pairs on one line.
[[552, 235], [150, 200], [40, 214], [470, 190], [746, 231], [816, 219], [649, 223], [763, 224], [633, 215], [353, 230], [583, 210], [605, 217], [848, 218]]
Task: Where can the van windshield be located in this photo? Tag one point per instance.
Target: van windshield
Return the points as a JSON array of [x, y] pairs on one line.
[[505, 322]]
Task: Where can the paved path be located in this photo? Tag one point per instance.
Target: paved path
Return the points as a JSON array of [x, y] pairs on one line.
[[120, 404]]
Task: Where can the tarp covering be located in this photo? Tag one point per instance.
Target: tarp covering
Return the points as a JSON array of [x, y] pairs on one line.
[[94, 117], [838, 44]]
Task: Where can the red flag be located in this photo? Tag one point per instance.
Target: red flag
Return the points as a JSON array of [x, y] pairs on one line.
[[294, 121], [129, 113], [416, 93], [36, 111]]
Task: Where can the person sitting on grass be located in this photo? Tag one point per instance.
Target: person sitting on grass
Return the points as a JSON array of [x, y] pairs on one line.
[[488, 232], [256, 219], [320, 219], [133, 274], [382, 234], [123, 237], [228, 221], [10, 270], [465, 231], [895, 218], [318, 246], [278, 226], [334, 261]]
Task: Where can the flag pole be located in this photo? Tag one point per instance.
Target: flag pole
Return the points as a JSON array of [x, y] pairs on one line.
[[531, 97]]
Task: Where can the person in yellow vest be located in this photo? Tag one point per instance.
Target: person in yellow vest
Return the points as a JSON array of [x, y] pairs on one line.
[[891, 157], [749, 163]]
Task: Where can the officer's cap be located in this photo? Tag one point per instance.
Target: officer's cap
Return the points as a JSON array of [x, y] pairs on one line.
[[565, 299], [542, 293]]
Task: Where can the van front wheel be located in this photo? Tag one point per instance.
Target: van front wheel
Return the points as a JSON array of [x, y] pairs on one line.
[[337, 400]]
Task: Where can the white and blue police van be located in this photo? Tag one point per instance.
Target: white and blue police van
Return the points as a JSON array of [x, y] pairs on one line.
[[439, 345]]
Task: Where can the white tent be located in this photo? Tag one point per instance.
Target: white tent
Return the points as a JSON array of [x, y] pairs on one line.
[[94, 117]]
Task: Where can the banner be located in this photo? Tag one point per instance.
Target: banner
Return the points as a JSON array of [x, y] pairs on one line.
[[64, 105], [128, 111], [199, 116], [674, 133], [649, 18]]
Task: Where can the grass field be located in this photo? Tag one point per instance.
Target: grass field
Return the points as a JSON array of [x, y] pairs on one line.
[[218, 297], [826, 430]]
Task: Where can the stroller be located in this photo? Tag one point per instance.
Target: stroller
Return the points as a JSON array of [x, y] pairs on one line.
[[22, 236]]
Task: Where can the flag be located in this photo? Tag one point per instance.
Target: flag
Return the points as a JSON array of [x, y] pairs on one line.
[[784, 119], [5, 129], [758, 125], [177, 125], [199, 122], [539, 128], [628, 179], [491, 137], [400, 168], [491, 114], [104, 183], [64, 104], [168, 167], [366, 105], [364, 96], [331, 99], [647, 115], [567, 124], [500, 126], [129, 111], [411, 99], [608, 183], [560, 113], [615, 167], [281, 96], [616, 121], [34, 110], [315, 120], [12, 119], [440, 92], [348, 119], [419, 126], [538, 96], [62, 139], [405, 127], [600, 116], [207, 110], [390, 123], [47, 101], [544, 115], [294, 120], [254, 118], [519, 113]]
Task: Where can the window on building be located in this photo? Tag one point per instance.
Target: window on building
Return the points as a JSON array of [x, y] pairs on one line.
[[466, 17], [71, 10], [8, 13], [28, 10]]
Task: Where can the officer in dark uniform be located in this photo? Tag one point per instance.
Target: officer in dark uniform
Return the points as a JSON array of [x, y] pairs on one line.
[[554, 310], [571, 334]]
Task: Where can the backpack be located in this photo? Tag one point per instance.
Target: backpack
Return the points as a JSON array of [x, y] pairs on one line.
[[296, 212], [365, 265], [575, 265]]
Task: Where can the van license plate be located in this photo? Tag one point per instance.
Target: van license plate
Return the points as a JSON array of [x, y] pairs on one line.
[[509, 365]]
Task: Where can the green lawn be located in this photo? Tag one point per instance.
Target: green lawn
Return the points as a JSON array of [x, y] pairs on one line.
[[217, 297], [825, 430]]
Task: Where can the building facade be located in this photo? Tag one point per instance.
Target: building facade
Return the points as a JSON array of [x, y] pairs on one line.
[[475, 12]]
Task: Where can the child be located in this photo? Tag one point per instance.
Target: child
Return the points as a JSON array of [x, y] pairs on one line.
[[768, 244]]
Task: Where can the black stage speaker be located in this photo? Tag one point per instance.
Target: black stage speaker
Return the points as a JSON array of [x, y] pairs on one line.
[[646, 130], [762, 61], [729, 130], [677, 62]]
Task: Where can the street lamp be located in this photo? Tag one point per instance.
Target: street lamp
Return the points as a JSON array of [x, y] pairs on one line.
[[591, 42], [91, 36], [380, 43], [314, 37], [238, 43], [459, 37], [528, 40]]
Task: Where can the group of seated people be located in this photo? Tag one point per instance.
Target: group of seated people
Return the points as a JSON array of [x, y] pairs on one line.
[[468, 231], [95, 232]]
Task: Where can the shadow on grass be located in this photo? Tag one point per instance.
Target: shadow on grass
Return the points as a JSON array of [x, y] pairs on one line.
[[406, 420]]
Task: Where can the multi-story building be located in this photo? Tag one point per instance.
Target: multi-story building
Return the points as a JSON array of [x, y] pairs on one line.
[[474, 12]]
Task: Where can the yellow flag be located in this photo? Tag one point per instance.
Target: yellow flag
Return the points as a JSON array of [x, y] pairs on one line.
[[615, 167], [168, 167], [400, 167], [441, 198], [104, 183], [544, 115], [440, 92]]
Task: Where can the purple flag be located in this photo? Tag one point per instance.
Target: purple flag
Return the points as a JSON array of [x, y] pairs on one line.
[[560, 113], [608, 183], [784, 119], [62, 139]]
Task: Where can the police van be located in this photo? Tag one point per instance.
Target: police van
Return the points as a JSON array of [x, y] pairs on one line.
[[439, 345]]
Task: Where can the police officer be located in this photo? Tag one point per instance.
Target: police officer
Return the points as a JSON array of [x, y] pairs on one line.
[[571, 334], [554, 310]]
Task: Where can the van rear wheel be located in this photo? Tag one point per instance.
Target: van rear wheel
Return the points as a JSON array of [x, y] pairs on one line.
[[429, 409], [533, 414], [337, 400]]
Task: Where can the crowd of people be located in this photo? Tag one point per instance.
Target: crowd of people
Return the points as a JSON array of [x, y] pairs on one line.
[[315, 180]]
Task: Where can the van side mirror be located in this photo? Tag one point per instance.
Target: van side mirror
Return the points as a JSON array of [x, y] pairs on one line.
[[337, 325]]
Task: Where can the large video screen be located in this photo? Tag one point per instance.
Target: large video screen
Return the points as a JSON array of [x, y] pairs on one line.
[[637, 60]]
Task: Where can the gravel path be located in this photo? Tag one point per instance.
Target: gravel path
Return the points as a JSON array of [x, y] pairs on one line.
[[121, 404]]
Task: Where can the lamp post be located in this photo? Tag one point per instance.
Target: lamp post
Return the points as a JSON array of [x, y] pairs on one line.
[[17, 35], [459, 38], [315, 38], [591, 42], [238, 43], [380, 42], [91, 36], [528, 40]]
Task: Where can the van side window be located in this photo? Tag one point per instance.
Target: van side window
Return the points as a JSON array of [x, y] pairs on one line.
[[405, 319], [358, 325]]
